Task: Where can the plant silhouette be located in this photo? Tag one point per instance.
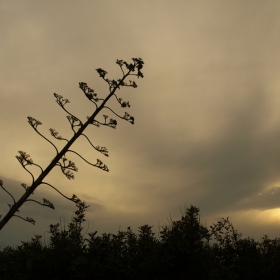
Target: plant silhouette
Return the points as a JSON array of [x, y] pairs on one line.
[[60, 160], [186, 249]]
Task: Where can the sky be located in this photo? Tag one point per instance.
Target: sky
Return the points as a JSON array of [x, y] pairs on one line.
[[207, 117]]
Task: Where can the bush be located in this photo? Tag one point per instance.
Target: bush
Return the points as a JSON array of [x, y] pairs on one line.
[[185, 250]]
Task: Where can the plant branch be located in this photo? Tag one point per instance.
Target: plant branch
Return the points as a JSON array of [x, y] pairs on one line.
[[27, 219], [46, 203], [34, 123], [112, 123], [24, 159], [70, 166], [90, 94], [61, 102], [102, 150], [126, 116], [1, 185], [74, 197], [99, 163], [55, 134]]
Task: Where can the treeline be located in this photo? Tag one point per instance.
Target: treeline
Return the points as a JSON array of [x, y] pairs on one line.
[[185, 249]]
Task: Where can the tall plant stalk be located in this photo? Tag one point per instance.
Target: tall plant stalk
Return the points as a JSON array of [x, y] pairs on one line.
[[67, 166]]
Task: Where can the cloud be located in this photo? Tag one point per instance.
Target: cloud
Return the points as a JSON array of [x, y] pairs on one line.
[[206, 130]]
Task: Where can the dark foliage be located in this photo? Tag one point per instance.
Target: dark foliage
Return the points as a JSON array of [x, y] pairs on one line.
[[186, 249]]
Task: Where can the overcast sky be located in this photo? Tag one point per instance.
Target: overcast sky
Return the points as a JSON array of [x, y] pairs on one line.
[[207, 119]]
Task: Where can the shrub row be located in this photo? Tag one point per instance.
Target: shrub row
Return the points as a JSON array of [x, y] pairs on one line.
[[185, 249]]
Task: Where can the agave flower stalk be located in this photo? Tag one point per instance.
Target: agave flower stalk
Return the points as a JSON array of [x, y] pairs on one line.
[[78, 128]]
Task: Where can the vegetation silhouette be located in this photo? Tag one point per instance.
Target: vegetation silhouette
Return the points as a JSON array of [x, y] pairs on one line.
[[186, 249], [67, 166]]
